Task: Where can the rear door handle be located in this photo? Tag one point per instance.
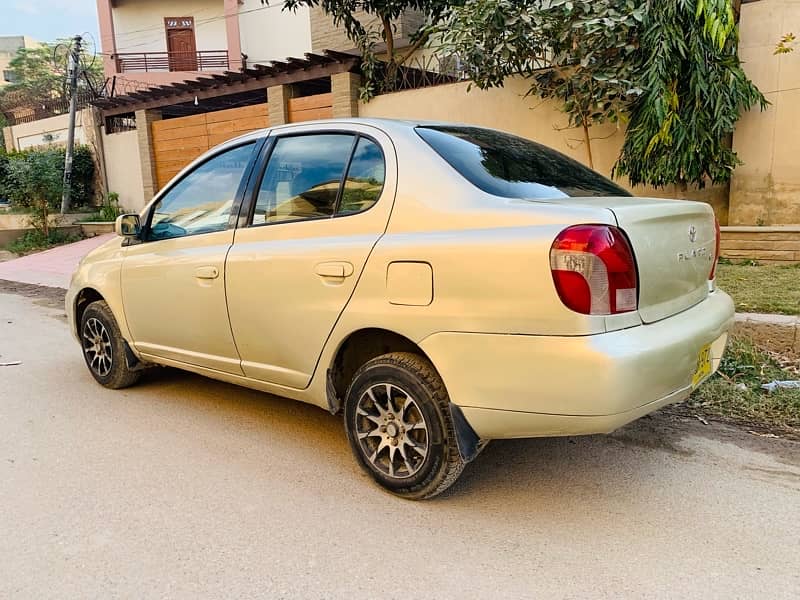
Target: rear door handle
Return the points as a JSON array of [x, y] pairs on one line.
[[338, 270], [206, 272]]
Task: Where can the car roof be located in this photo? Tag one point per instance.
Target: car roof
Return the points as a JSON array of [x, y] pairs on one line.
[[386, 125]]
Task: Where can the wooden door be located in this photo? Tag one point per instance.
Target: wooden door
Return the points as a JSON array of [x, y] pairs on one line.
[[181, 44]]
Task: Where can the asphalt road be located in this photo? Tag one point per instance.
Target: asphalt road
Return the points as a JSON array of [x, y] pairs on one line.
[[185, 488]]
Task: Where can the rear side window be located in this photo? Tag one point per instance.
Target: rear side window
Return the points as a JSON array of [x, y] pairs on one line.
[[303, 177], [513, 167], [365, 178]]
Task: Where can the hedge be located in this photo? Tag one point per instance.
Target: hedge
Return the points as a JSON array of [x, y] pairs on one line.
[[82, 174]]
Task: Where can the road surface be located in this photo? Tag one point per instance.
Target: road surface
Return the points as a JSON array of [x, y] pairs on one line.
[[183, 487]]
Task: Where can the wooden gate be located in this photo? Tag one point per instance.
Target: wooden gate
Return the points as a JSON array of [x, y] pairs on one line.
[[309, 108], [177, 142]]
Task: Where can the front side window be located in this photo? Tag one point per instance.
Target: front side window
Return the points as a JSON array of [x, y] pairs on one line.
[[202, 201], [513, 167], [303, 178]]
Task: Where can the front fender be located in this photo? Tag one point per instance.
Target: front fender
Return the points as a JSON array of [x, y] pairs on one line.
[[99, 271]]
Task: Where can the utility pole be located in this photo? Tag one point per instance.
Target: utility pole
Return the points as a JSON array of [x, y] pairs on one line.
[[73, 72]]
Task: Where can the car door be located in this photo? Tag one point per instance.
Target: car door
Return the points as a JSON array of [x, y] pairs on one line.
[[319, 207], [173, 281]]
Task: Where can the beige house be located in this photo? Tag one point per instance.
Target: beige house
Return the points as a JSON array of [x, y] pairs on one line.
[[167, 41], [9, 46]]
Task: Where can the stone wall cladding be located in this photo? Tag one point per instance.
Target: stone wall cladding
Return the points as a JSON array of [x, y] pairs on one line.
[[327, 36], [763, 244], [144, 120], [344, 87], [277, 98]]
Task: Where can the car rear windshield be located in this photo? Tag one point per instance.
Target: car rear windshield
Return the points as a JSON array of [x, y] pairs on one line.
[[513, 167]]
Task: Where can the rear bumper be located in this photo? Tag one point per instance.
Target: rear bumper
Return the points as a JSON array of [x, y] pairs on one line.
[[530, 386]]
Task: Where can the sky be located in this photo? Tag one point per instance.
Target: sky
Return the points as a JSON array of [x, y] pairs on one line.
[[48, 20]]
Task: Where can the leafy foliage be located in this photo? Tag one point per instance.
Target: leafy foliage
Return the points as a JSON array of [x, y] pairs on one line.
[[111, 209], [670, 68], [786, 44], [35, 179], [34, 72], [578, 52], [23, 172], [33, 241], [368, 22], [695, 91]]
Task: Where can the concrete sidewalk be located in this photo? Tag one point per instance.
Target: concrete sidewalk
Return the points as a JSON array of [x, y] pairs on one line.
[[51, 268]]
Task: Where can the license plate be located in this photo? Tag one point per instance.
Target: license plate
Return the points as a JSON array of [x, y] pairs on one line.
[[703, 365]]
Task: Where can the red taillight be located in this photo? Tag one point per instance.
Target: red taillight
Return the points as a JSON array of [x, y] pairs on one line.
[[716, 249], [594, 270]]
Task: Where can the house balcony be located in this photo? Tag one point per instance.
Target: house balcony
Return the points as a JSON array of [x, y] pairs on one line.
[[171, 62]]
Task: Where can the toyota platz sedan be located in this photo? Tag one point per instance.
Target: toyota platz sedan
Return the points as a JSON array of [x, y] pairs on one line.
[[440, 285]]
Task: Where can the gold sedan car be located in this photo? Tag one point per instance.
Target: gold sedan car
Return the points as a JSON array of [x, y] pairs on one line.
[[441, 285]]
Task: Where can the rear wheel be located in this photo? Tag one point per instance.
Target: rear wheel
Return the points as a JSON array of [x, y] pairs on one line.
[[398, 422], [104, 347]]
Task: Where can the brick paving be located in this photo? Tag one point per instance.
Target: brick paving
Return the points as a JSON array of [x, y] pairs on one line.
[[51, 268]]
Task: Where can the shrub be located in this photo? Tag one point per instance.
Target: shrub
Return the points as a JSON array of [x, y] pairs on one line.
[[35, 181], [111, 209], [32, 241], [15, 165]]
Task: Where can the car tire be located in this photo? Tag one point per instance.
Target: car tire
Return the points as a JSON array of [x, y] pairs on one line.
[[398, 422], [104, 348]]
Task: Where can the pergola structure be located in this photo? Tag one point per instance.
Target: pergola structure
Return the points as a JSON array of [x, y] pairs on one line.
[[316, 86], [307, 76]]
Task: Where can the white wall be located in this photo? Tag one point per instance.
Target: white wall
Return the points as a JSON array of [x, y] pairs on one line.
[[139, 24], [124, 169], [272, 33], [46, 132]]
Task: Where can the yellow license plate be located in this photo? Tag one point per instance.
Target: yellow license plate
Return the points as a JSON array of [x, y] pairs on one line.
[[703, 365]]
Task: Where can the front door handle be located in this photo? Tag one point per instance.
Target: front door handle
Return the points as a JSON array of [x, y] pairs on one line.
[[206, 272], [336, 269]]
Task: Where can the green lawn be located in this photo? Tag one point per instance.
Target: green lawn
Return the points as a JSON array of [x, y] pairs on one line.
[[764, 288], [735, 391]]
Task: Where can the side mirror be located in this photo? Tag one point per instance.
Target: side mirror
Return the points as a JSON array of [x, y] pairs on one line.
[[127, 226]]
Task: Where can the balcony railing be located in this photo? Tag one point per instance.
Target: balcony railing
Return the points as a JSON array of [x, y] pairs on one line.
[[204, 60]]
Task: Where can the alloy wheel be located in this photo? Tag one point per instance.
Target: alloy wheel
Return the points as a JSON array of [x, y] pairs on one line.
[[97, 347], [391, 430]]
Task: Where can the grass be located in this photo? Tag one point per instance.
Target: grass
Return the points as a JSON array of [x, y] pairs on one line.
[[35, 241], [93, 218], [735, 391], [761, 288]]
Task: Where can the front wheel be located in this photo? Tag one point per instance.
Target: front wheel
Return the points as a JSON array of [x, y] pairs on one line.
[[398, 422], [104, 348]]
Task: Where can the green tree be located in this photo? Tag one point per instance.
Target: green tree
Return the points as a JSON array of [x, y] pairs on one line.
[[32, 70], [357, 18], [37, 73], [36, 181], [668, 68], [694, 93], [577, 52]]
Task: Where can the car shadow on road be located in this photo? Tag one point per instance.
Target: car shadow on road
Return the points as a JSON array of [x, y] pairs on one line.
[[540, 471]]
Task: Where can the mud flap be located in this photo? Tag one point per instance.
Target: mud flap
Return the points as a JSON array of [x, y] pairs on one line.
[[334, 402], [469, 444], [131, 361]]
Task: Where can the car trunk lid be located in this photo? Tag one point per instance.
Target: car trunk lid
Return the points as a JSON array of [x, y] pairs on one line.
[[674, 245]]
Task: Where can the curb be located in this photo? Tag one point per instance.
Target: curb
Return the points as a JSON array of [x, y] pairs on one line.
[[779, 333]]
